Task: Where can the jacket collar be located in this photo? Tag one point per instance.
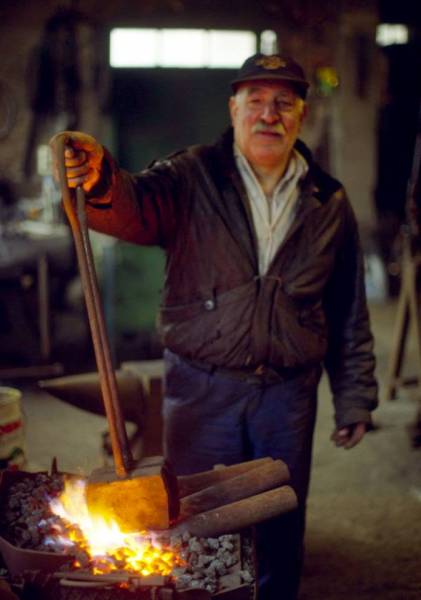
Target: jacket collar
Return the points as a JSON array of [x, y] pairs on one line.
[[235, 210], [317, 182]]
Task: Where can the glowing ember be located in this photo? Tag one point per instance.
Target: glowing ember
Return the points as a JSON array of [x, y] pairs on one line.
[[107, 547]]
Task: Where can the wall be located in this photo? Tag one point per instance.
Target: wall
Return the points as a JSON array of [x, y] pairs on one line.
[[354, 130], [19, 32], [342, 126], [22, 32]]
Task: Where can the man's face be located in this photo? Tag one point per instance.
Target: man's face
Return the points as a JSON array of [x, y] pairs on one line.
[[267, 117]]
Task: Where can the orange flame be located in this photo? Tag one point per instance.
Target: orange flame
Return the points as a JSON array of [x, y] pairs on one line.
[[107, 547]]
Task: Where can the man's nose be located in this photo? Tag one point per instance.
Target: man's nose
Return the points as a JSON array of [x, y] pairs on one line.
[[270, 113]]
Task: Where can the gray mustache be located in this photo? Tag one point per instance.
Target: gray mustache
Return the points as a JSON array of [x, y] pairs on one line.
[[276, 128]]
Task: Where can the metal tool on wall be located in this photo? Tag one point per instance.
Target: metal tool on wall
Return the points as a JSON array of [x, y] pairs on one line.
[[136, 496]]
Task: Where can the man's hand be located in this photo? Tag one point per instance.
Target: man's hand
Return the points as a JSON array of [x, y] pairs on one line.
[[348, 437], [82, 157]]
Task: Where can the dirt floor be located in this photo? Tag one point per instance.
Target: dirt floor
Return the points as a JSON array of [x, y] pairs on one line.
[[364, 520]]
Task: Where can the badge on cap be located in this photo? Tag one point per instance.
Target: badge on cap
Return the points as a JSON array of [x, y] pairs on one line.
[[270, 62]]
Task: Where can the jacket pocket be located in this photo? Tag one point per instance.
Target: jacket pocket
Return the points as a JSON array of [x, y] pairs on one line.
[[313, 318], [212, 329], [298, 333]]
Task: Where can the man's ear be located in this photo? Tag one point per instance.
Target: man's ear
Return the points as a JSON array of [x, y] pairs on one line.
[[304, 113], [232, 105]]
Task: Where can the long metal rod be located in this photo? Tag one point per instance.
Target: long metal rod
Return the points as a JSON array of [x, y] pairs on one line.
[[119, 441]]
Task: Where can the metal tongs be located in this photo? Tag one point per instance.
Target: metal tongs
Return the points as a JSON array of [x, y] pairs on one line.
[[137, 496], [78, 223]]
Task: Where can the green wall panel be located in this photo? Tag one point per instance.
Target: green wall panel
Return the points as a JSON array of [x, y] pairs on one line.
[[139, 273]]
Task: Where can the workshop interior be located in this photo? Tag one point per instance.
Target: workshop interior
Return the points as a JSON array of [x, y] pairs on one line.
[[148, 79]]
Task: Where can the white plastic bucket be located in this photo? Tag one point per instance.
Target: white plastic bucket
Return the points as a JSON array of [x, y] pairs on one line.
[[12, 438]]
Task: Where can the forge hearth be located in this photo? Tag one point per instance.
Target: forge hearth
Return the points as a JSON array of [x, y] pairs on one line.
[[215, 567]]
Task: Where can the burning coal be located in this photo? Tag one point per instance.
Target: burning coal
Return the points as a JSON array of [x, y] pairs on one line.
[[107, 547]]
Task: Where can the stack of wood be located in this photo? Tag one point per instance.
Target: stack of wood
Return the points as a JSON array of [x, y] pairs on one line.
[[227, 499]]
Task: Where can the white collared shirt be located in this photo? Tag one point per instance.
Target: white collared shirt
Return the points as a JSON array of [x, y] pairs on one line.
[[272, 215]]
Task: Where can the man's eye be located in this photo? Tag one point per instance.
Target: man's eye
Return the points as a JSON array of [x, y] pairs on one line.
[[254, 101], [285, 105]]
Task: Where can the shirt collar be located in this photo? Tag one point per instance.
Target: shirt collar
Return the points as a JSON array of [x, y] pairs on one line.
[[297, 168]]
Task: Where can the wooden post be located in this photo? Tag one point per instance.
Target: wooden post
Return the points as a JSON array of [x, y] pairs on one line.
[[407, 318]]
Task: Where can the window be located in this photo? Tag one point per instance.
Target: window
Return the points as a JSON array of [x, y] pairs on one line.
[[268, 42], [388, 34], [180, 48]]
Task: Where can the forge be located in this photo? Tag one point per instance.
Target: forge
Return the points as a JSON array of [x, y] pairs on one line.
[[54, 547]]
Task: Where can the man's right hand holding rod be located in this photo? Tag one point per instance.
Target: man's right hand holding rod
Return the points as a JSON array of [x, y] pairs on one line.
[[83, 159]]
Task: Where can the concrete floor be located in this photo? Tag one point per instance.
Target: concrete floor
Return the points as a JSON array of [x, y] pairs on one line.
[[364, 522], [364, 519]]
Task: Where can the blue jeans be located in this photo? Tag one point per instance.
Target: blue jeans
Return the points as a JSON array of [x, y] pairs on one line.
[[210, 418]]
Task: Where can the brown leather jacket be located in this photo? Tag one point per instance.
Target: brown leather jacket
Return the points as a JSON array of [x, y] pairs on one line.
[[309, 308]]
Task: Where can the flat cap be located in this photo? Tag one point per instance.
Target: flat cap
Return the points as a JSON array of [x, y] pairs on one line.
[[272, 67]]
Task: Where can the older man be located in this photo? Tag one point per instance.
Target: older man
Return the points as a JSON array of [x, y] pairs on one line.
[[264, 285]]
